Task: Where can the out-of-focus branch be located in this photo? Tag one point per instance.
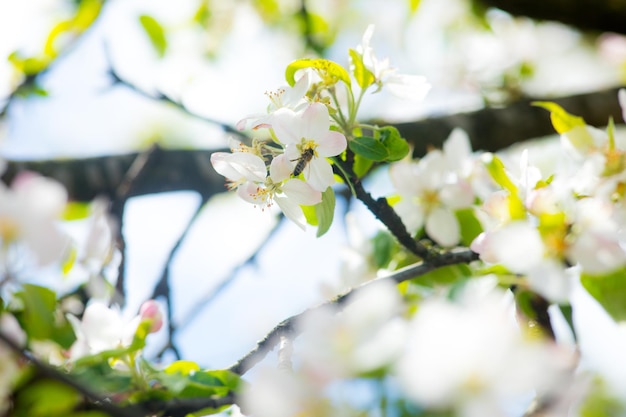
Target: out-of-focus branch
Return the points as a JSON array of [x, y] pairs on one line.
[[288, 327], [596, 15], [490, 129]]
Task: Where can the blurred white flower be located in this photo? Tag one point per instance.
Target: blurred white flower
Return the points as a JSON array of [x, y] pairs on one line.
[[29, 210], [432, 188], [471, 357]]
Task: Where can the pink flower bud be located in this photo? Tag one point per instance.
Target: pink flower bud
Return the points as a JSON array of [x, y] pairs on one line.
[[151, 310]]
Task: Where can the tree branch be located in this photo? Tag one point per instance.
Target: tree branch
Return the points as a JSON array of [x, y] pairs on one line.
[[490, 129], [287, 326]]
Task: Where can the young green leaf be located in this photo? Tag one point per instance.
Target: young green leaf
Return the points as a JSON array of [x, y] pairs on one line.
[[470, 226], [155, 32], [561, 120], [369, 148], [325, 211], [396, 146], [330, 71], [609, 290], [362, 75]]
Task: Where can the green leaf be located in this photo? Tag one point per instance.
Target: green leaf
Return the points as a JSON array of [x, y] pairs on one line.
[[361, 165], [155, 32], [446, 275], [396, 146], [46, 398], [609, 290], [496, 169], [562, 121], [100, 376], [182, 367], [369, 148], [325, 211], [384, 248], [330, 71], [75, 210], [37, 319], [470, 226], [413, 5], [362, 75], [310, 215]]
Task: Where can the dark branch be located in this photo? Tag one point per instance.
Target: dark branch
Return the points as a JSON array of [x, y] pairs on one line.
[[596, 15], [287, 326], [490, 129]]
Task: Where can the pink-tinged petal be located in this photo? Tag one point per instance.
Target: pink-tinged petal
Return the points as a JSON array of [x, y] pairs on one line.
[[443, 227], [239, 165], [287, 125], [292, 211], [331, 144], [281, 168], [319, 174], [252, 193], [301, 193], [517, 246], [315, 121], [45, 196]]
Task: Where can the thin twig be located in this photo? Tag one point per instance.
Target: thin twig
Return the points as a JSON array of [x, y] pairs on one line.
[[287, 326], [383, 212], [163, 289]]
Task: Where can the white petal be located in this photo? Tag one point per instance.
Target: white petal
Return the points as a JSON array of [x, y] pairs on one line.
[[443, 227], [315, 121], [457, 148], [550, 279], [252, 193], [409, 87], [319, 174], [331, 144], [292, 210], [280, 168], [621, 96], [287, 126], [301, 193], [518, 246], [411, 215], [239, 165]]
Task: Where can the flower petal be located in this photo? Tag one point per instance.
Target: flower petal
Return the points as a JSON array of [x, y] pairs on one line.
[[315, 121], [239, 165], [331, 144], [443, 227], [301, 193], [292, 210], [319, 174], [280, 168]]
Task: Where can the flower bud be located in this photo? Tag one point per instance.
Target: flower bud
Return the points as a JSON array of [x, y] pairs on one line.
[[151, 310]]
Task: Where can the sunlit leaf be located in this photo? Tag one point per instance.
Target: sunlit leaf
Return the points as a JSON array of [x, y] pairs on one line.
[[75, 210], [182, 367], [361, 165], [325, 211], [362, 75], [609, 290], [330, 71], [155, 32], [562, 121], [369, 148], [470, 225]]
